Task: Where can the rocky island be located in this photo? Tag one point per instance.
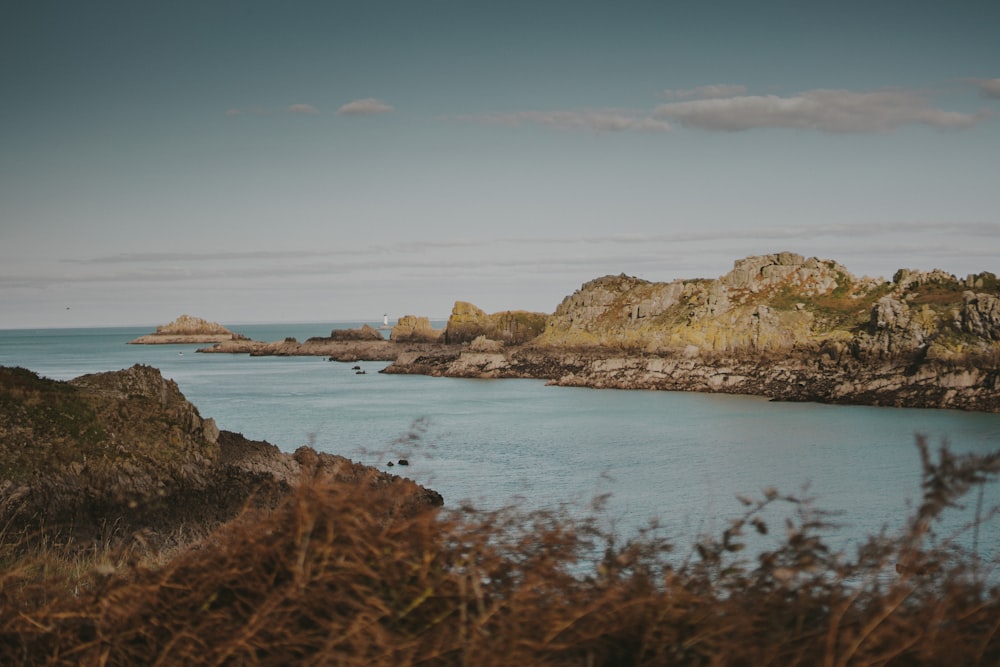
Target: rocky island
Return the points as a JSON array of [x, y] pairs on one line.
[[781, 326], [187, 330]]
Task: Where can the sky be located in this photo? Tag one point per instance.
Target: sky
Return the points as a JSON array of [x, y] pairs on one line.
[[326, 161]]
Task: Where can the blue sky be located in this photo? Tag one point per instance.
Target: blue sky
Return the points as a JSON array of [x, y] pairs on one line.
[[314, 161]]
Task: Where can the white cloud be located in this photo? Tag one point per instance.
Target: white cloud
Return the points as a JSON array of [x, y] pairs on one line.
[[727, 107], [597, 120], [839, 111], [366, 107], [232, 113], [989, 88], [307, 109], [704, 92]]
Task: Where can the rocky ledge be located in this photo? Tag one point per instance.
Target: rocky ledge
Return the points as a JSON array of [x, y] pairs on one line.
[[124, 457], [186, 330]]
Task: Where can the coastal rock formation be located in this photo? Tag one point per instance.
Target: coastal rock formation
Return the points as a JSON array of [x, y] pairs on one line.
[[413, 329], [779, 304], [365, 332], [510, 327], [778, 325], [187, 329], [773, 303], [122, 454]]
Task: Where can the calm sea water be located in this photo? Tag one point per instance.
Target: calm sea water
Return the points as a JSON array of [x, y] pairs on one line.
[[680, 458]]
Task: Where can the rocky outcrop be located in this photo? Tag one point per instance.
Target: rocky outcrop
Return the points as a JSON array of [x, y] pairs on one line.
[[413, 329], [365, 332], [186, 329], [778, 325], [895, 330], [123, 455], [980, 315], [773, 303], [511, 327], [779, 304]]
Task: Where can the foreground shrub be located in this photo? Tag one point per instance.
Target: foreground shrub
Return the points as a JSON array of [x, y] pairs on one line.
[[338, 575]]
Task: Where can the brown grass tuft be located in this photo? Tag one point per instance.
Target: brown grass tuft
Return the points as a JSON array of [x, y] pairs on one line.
[[339, 575]]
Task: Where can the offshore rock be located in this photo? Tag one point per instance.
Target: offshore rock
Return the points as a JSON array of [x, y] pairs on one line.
[[413, 329], [186, 329], [511, 327], [365, 332]]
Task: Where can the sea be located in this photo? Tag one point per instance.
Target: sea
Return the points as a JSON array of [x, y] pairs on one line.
[[627, 459]]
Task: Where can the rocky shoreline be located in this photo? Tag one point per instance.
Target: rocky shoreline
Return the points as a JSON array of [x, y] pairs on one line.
[[780, 326], [935, 385]]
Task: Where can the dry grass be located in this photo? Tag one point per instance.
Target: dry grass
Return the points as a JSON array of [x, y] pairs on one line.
[[337, 575]]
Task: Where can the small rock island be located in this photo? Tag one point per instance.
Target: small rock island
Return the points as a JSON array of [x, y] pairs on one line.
[[185, 330]]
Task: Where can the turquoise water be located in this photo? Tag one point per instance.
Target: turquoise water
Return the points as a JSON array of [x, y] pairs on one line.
[[681, 458]]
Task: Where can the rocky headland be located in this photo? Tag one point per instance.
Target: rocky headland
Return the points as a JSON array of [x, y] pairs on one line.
[[187, 330], [123, 457], [781, 325]]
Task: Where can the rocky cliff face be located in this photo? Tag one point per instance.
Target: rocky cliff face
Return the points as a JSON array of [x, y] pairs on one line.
[[123, 454]]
